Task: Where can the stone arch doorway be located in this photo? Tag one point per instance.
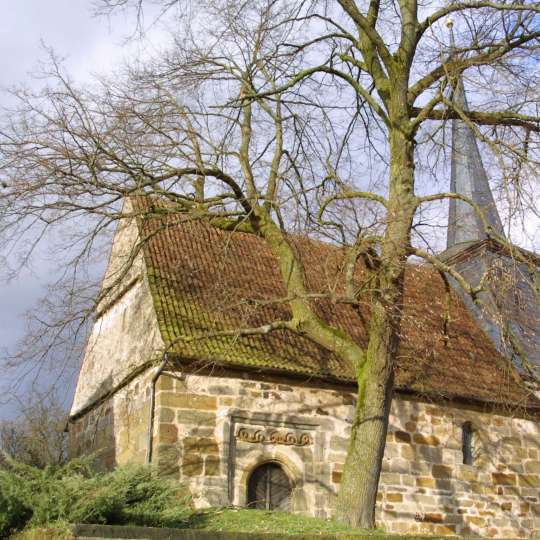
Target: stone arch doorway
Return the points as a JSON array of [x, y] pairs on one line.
[[269, 488]]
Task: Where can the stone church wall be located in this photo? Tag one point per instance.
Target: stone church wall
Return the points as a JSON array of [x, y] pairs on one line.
[[117, 430], [213, 431], [125, 333]]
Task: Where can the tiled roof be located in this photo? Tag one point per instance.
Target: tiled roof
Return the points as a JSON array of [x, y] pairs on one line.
[[204, 279]]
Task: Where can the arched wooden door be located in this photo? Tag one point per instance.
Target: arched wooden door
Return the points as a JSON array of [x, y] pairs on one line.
[[269, 488]]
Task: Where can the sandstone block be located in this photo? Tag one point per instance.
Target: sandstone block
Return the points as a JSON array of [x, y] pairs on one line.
[[211, 466], [444, 485], [428, 440], [339, 444], [511, 441], [165, 382], [420, 467], [165, 415], [407, 480], [187, 401], [529, 480], [467, 473], [532, 467], [167, 434], [192, 464], [478, 488], [390, 479], [407, 452], [402, 436], [201, 431], [445, 529], [504, 479], [398, 465], [428, 454], [391, 451], [167, 459], [198, 418], [441, 471], [221, 390], [425, 482], [400, 528], [200, 445], [476, 521], [487, 513]]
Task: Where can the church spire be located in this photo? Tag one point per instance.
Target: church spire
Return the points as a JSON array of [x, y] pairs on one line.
[[468, 177]]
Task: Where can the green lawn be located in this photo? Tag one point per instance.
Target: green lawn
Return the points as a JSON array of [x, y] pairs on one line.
[[261, 521], [230, 520]]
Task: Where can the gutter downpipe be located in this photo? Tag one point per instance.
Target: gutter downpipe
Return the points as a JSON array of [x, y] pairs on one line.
[[151, 414]]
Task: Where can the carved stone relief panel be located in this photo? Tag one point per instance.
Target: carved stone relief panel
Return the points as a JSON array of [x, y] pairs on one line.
[[273, 436], [256, 438]]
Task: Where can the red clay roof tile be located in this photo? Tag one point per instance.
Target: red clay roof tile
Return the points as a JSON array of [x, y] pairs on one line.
[[204, 279]]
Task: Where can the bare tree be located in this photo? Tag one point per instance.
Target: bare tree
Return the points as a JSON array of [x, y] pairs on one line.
[[36, 437], [261, 118]]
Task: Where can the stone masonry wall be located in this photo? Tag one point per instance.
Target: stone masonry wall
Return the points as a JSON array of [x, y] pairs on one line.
[[117, 430], [211, 432], [125, 333]]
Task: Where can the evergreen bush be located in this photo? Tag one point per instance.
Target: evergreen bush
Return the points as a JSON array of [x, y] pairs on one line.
[[77, 493]]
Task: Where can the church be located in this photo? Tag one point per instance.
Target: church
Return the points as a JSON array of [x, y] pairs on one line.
[[263, 421]]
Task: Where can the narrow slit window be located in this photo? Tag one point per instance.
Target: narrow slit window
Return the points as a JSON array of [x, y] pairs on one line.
[[467, 435]]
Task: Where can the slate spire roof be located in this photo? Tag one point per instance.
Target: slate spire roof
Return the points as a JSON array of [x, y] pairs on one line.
[[468, 177]]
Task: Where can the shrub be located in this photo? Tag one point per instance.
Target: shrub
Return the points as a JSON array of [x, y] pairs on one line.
[[13, 513], [76, 493]]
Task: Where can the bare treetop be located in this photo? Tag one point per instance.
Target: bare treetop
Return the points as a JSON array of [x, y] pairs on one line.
[[273, 117]]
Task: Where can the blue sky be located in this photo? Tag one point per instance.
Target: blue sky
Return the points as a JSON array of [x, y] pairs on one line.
[[88, 45]]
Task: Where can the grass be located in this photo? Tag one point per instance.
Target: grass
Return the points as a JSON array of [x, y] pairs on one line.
[[230, 520], [258, 522], [56, 531], [262, 521]]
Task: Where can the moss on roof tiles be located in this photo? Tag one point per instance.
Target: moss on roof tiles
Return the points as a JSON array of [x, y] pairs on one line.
[[205, 280]]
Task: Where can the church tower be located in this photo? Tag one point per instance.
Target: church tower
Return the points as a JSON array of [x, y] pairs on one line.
[[509, 312], [468, 178]]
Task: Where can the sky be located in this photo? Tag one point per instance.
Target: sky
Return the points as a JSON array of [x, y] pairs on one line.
[[88, 45]]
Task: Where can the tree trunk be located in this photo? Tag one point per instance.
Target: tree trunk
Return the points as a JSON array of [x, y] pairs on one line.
[[360, 479]]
